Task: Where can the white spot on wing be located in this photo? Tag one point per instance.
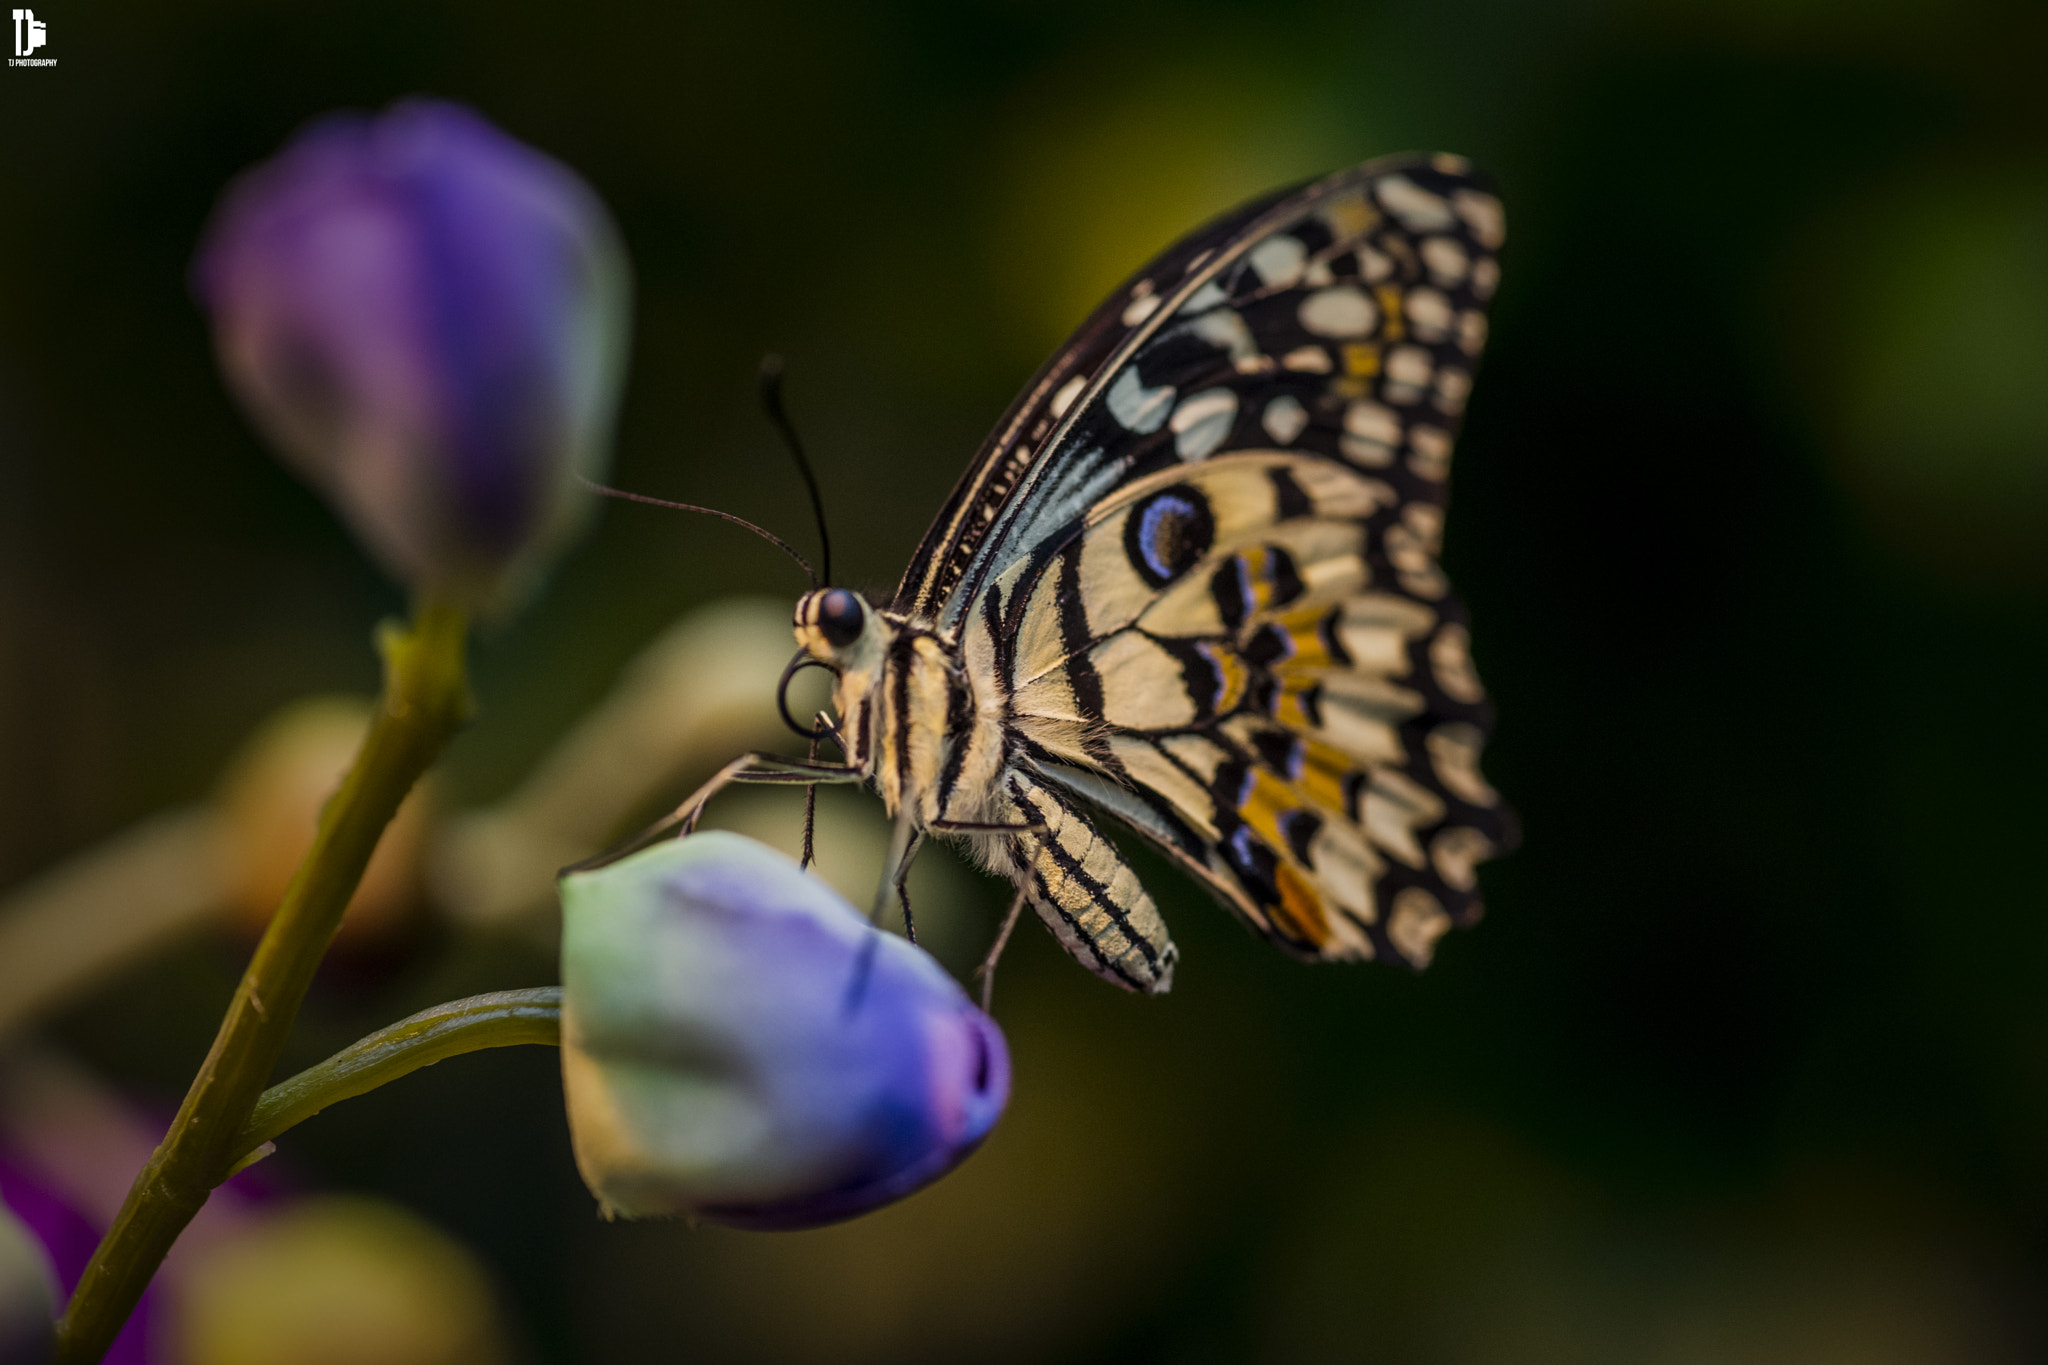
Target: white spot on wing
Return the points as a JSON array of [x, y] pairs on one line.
[[1284, 418], [1432, 452], [1411, 548], [1207, 297], [1453, 386], [1455, 851], [1069, 391], [1202, 421], [1454, 752], [1472, 331], [1482, 213], [1450, 658], [1371, 432], [1308, 360], [1340, 311], [1395, 809], [1417, 208], [1140, 409], [1430, 313], [1279, 260], [1144, 303], [1339, 494], [1485, 277], [1416, 923], [1226, 329], [1446, 260], [1408, 372], [1376, 629]]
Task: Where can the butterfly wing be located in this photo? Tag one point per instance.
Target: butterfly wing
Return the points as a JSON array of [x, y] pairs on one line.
[[1029, 438], [1201, 554]]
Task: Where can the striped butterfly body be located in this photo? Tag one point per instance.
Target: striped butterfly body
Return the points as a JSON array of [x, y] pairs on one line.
[[1191, 582]]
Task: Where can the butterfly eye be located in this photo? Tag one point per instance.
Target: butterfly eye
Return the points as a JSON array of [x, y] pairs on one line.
[[840, 618]]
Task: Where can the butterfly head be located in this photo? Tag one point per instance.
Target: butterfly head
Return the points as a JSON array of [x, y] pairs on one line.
[[834, 625]]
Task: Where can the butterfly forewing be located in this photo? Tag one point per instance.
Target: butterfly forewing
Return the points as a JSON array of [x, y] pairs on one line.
[[1202, 549], [1022, 437]]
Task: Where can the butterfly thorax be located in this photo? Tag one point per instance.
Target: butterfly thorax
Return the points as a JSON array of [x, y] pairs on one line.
[[928, 722], [909, 715]]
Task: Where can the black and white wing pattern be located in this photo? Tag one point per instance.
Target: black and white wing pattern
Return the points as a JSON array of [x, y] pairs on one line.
[[1200, 555], [1026, 434]]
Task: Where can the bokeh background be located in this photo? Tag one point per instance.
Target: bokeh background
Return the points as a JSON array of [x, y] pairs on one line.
[[1749, 1061]]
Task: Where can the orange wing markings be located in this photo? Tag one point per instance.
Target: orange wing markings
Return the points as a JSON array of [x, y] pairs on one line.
[[1295, 802]]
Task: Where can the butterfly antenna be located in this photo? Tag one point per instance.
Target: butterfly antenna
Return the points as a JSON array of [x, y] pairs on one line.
[[771, 402], [777, 541]]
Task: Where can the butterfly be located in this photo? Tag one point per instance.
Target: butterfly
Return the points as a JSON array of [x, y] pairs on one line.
[[1190, 582]]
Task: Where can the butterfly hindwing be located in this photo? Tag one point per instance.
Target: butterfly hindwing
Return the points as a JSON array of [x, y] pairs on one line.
[[1211, 585], [1230, 642]]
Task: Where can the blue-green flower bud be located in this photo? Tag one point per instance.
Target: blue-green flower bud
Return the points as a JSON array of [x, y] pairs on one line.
[[740, 1046]]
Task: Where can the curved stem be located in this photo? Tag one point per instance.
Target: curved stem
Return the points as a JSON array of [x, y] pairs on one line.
[[425, 701], [499, 1019]]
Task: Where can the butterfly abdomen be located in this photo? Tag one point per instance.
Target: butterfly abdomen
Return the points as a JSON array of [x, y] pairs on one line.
[[1085, 892]]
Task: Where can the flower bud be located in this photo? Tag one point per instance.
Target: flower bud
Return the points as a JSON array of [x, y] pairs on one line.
[[336, 1279], [270, 801], [428, 319], [740, 1046]]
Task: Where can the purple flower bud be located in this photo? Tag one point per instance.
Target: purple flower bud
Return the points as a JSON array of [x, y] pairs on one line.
[[739, 1046], [428, 319]]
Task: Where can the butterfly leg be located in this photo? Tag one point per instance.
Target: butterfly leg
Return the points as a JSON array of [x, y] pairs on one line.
[[903, 842], [1086, 893], [755, 767], [903, 885], [987, 970], [810, 816]]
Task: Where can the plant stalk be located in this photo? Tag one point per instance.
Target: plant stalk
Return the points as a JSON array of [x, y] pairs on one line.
[[426, 700], [499, 1019]]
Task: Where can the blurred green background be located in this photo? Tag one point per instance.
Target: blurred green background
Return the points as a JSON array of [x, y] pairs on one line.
[[1749, 1061]]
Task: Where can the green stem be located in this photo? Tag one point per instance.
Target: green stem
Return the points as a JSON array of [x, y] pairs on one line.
[[425, 701], [500, 1019]]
